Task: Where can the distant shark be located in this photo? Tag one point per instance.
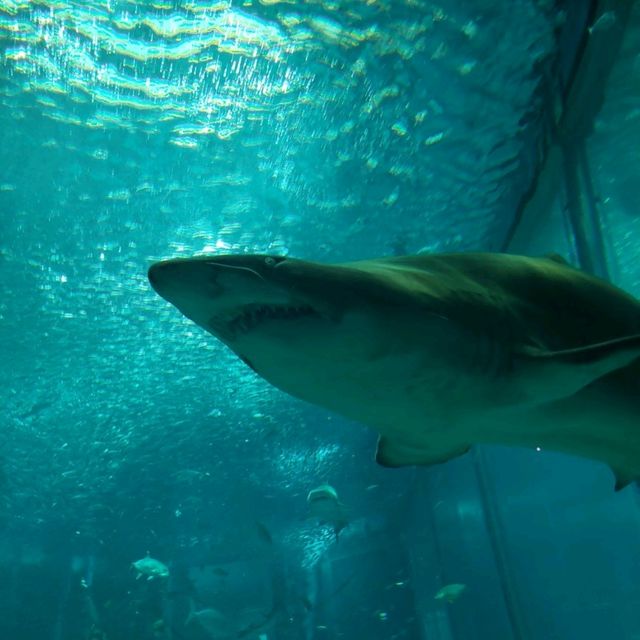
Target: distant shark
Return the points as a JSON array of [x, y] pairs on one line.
[[324, 504], [434, 352]]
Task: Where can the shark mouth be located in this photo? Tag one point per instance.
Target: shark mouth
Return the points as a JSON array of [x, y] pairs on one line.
[[252, 316]]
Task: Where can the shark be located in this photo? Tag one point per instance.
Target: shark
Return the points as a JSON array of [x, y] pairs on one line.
[[435, 352], [324, 504]]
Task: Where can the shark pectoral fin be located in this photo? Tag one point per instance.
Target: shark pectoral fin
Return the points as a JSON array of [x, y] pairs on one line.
[[396, 453], [547, 376]]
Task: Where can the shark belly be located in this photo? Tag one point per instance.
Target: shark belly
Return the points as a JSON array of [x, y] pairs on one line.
[[425, 418], [425, 415]]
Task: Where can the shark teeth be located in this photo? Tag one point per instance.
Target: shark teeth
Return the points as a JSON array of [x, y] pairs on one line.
[[254, 315]]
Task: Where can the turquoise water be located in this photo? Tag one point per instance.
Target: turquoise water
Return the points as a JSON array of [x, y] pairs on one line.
[[329, 130]]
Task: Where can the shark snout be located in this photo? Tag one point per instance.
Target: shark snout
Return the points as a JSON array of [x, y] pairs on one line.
[[187, 274], [158, 274], [181, 281], [203, 287]]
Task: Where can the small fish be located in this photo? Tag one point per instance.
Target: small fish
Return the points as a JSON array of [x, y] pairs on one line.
[[159, 626], [189, 475], [604, 22], [214, 622], [243, 623], [450, 592], [35, 409], [151, 568], [263, 532]]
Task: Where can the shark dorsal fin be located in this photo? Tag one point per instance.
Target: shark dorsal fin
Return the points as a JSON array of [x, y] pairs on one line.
[[556, 257]]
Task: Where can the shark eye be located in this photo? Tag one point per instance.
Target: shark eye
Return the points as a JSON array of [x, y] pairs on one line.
[[271, 261]]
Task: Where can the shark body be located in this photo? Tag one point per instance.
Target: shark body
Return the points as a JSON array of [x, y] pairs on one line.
[[434, 352]]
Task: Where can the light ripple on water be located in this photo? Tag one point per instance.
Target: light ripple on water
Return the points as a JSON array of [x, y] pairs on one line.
[[145, 58]]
